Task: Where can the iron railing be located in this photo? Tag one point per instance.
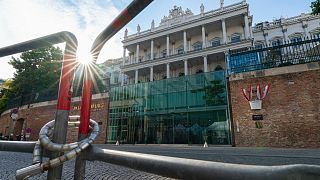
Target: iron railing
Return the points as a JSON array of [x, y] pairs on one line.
[[282, 54]]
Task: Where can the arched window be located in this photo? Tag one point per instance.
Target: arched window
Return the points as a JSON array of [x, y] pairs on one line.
[[236, 37], [296, 37], [180, 50], [315, 32], [258, 44], [276, 41], [215, 42], [197, 46], [218, 68], [164, 53]]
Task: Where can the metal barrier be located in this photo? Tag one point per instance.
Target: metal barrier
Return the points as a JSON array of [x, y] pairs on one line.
[[281, 54], [182, 168]]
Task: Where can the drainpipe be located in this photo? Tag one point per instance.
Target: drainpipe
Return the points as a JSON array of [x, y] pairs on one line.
[[229, 113]]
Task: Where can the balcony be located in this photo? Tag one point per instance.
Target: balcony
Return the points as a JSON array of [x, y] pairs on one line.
[[189, 54]]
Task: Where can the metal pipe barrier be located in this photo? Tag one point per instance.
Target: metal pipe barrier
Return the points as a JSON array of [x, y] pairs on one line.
[[182, 168], [65, 85], [133, 9], [44, 141]]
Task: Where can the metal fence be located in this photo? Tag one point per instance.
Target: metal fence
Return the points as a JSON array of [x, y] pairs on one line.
[[281, 54]]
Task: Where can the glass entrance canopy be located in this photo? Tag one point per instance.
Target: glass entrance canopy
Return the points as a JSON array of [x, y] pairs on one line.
[[182, 110]]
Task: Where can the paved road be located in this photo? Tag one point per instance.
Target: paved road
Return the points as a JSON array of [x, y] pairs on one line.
[[227, 154], [10, 162]]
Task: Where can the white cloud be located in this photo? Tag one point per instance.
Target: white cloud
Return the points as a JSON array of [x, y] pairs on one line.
[[25, 20]]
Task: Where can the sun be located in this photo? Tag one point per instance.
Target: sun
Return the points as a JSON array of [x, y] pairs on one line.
[[84, 57]]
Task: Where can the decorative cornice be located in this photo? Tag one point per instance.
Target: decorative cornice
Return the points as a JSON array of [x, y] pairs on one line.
[[284, 22], [174, 14], [187, 20]]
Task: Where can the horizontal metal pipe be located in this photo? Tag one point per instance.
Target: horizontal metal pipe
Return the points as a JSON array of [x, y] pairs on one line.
[[181, 168], [17, 146], [133, 9], [45, 41]]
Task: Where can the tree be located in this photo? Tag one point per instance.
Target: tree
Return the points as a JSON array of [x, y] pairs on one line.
[[37, 71], [214, 93], [5, 93], [315, 7]]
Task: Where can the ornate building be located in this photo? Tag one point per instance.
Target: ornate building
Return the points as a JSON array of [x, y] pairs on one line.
[[170, 75], [173, 85], [282, 30], [184, 43]]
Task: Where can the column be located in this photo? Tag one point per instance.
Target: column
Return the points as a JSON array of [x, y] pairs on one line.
[[168, 70], [173, 49], [205, 64], [224, 31], [122, 78], [168, 45], [151, 55], [159, 55], [203, 37], [184, 41], [185, 67], [246, 27], [136, 77], [124, 55], [137, 53], [151, 73], [284, 31]]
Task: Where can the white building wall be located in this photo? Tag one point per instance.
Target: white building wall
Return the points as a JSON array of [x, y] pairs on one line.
[[234, 29], [313, 25], [294, 28], [215, 34]]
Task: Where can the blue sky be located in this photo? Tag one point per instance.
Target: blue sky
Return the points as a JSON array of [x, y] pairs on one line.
[[24, 20]]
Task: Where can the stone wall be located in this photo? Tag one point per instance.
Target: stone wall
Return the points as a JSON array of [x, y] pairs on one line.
[[290, 111], [39, 114]]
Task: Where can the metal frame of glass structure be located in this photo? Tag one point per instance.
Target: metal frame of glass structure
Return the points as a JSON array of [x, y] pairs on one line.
[[183, 110]]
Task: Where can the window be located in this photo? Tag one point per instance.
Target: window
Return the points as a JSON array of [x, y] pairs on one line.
[[218, 68], [276, 42], [258, 46], [215, 42], [164, 53], [180, 50], [235, 38], [197, 46], [296, 37]]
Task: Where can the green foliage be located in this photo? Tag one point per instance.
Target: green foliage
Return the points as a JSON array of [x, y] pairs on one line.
[[315, 7], [5, 93], [214, 93], [37, 70]]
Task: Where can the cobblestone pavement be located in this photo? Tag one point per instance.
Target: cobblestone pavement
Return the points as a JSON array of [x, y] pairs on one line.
[[10, 162]]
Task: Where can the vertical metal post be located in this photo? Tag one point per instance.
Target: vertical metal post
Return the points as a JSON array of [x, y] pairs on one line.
[[229, 109], [63, 106], [134, 8], [67, 71], [79, 171]]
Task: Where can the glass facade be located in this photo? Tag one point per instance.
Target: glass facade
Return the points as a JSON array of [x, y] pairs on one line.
[[182, 110]]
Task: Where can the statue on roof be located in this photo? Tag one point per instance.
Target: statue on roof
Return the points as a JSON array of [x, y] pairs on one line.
[[152, 24], [221, 3], [138, 28], [126, 33], [202, 8]]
